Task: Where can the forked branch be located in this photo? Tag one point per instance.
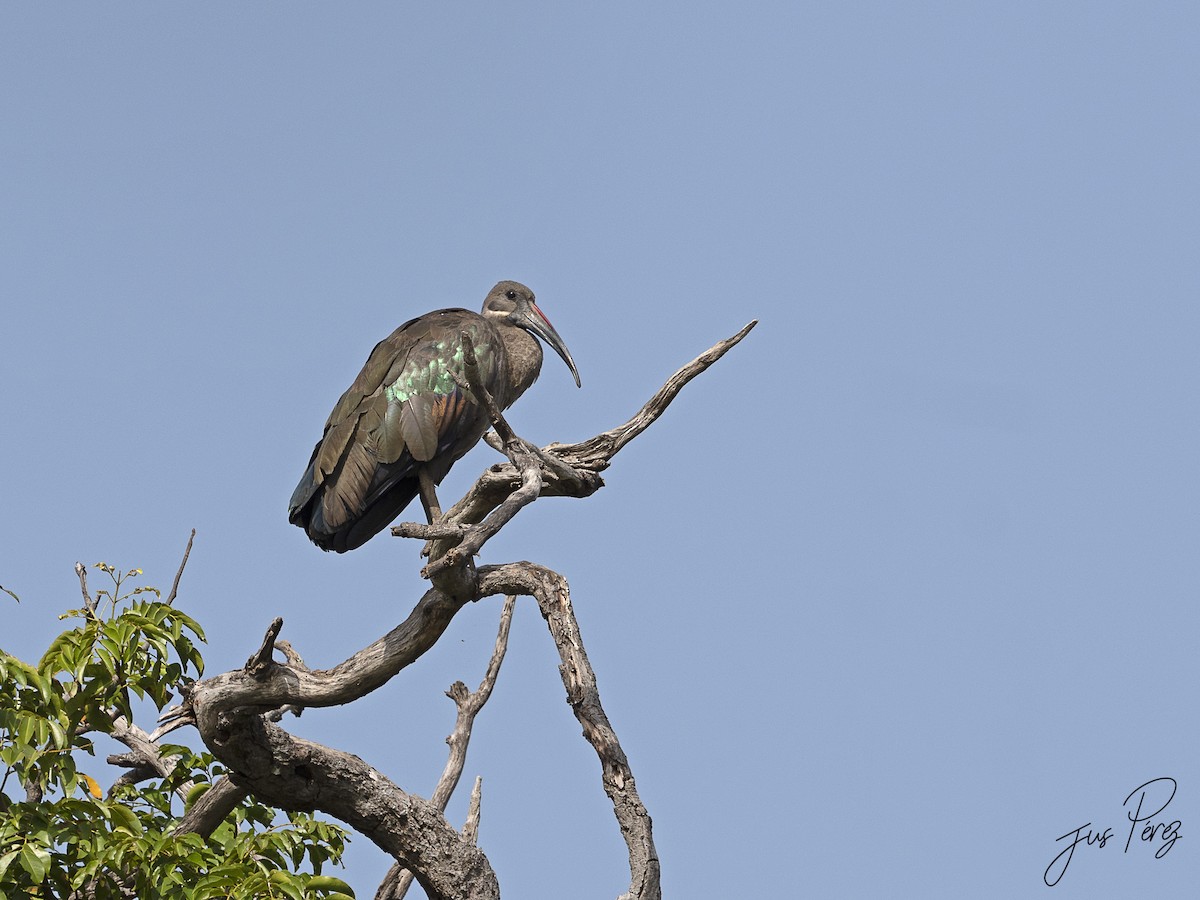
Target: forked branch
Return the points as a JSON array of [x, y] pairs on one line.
[[562, 470], [553, 597], [468, 703], [597, 453], [231, 710]]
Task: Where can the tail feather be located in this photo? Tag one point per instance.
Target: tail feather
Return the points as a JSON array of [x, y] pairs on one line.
[[312, 504]]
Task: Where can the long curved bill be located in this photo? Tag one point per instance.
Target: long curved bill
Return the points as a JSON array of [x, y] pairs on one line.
[[540, 325]]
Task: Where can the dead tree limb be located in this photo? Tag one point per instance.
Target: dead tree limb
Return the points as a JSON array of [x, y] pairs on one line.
[[553, 597], [210, 810], [145, 759], [577, 468], [468, 703], [187, 551], [470, 829], [294, 774], [231, 710], [597, 453], [88, 603]]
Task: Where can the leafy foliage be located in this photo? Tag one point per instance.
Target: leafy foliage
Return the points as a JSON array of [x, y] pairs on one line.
[[68, 838]]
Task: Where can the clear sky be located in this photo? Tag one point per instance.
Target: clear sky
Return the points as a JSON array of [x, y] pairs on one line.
[[901, 591]]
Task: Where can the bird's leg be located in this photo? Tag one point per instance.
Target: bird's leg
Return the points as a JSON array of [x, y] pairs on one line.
[[429, 500]]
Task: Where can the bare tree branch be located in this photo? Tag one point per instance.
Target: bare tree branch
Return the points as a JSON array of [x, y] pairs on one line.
[[136, 769], [295, 774], [396, 883], [146, 756], [357, 676], [528, 464], [480, 392], [262, 662], [211, 809], [88, 603], [577, 467], [597, 453], [230, 709], [553, 597], [179, 574], [469, 705], [471, 826]]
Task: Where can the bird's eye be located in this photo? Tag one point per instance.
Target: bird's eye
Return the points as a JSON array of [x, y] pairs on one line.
[[511, 295]]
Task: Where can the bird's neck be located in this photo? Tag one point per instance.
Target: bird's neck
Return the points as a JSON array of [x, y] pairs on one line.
[[524, 356]]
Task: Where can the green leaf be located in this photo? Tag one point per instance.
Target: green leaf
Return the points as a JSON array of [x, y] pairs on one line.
[[264, 815], [199, 789], [35, 861], [125, 820], [106, 658], [26, 726], [10, 593], [60, 735], [327, 883], [287, 884], [6, 861]]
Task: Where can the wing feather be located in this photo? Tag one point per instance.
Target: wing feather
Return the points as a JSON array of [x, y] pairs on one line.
[[344, 502], [404, 409], [417, 428]]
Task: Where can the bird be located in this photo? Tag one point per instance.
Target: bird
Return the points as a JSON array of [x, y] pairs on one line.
[[406, 418]]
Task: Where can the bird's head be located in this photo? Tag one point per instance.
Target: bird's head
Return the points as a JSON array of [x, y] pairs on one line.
[[512, 303]]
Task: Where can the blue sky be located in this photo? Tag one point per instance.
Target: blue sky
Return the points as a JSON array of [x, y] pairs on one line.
[[898, 593]]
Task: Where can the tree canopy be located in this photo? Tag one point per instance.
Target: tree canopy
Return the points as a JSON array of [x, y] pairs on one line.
[[59, 829]]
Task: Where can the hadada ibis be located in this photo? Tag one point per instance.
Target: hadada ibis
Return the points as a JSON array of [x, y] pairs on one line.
[[405, 413]]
